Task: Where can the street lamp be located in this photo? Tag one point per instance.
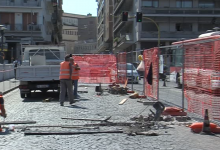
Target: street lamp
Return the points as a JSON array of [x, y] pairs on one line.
[[2, 28]]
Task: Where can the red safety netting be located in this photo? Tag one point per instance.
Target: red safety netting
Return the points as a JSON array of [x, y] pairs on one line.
[[151, 56], [97, 68], [122, 67], [202, 77]]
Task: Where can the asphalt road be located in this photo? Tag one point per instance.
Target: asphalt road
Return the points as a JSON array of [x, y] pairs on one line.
[[96, 107]]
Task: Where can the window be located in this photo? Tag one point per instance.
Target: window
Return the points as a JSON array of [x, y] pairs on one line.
[[183, 27], [206, 4], [184, 3], [205, 27], [50, 54], [150, 3], [149, 27]]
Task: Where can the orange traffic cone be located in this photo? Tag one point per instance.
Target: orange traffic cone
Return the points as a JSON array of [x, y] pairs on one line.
[[206, 124]]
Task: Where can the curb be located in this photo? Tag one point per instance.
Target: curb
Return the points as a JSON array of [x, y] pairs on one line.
[[5, 92]]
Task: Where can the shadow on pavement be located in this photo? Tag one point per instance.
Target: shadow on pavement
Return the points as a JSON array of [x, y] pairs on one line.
[[42, 97], [75, 106]]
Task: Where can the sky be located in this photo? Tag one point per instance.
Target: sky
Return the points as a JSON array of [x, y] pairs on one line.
[[82, 7]]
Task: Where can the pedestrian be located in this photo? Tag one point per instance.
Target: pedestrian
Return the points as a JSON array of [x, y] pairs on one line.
[[65, 81], [2, 108], [15, 63], [75, 76]]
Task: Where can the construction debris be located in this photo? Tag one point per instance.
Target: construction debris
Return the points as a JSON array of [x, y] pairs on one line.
[[123, 101], [134, 95]]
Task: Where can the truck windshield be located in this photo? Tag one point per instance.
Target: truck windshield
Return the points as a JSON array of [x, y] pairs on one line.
[[50, 54]]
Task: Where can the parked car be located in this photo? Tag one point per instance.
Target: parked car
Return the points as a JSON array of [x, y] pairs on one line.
[[136, 76]]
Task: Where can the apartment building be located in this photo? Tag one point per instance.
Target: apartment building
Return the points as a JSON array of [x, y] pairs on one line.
[[85, 47], [70, 30], [87, 28], [176, 19], [30, 22], [79, 33], [105, 26]]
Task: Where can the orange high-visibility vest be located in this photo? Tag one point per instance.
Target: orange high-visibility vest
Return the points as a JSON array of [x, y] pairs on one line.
[[75, 73], [64, 70]]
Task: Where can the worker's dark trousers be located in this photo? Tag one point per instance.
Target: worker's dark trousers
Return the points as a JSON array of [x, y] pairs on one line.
[[66, 85]]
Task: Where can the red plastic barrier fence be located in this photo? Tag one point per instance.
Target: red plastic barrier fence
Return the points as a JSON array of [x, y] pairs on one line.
[[97, 68], [122, 67], [202, 77], [151, 56]]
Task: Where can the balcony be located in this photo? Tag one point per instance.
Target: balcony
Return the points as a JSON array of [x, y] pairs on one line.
[[21, 3], [101, 30], [123, 41], [102, 46], [123, 4], [180, 11], [118, 4], [170, 35], [100, 20], [100, 8], [117, 21], [22, 28]]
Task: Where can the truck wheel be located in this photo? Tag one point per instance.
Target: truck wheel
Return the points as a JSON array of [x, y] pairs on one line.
[[22, 95], [28, 95]]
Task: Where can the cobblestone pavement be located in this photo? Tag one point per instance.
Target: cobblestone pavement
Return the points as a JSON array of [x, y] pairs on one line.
[[97, 107]]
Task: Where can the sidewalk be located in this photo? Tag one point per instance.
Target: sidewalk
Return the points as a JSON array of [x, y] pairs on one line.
[[8, 85]]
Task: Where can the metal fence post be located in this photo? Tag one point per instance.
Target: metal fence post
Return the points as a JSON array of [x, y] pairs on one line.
[[158, 69], [132, 80], [183, 70]]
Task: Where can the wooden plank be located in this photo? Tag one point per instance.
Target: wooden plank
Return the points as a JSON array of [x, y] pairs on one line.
[[123, 101], [17, 122], [68, 133]]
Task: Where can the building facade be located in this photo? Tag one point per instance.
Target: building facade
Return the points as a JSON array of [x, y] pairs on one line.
[[85, 47], [105, 26], [30, 22], [70, 30], [176, 19], [79, 33], [87, 28]]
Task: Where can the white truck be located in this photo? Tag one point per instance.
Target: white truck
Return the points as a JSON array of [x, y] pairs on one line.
[[40, 68]]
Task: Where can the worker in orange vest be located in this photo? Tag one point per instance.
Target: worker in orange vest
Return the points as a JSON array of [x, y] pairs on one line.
[[66, 81], [75, 76], [2, 108]]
